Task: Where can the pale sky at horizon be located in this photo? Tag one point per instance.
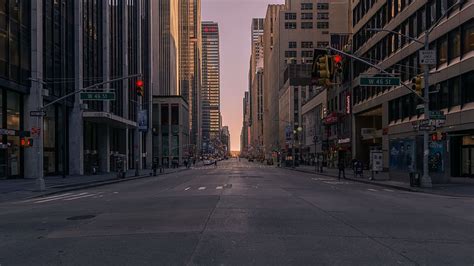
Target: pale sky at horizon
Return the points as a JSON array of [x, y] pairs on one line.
[[234, 18]]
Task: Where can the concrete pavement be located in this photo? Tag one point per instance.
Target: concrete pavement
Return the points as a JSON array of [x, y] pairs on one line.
[[238, 214]]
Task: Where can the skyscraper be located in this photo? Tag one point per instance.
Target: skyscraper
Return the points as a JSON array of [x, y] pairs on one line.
[[210, 95], [256, 86], [190, 63], [165, 43]]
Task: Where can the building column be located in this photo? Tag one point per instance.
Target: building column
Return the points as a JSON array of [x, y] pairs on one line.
[[76, 123], [104, 148], [33, 162]]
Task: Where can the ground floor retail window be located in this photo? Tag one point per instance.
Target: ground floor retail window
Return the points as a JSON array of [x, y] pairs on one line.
[[11, 154]]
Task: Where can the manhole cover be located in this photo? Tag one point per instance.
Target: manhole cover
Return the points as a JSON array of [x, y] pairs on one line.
[[80, 217]]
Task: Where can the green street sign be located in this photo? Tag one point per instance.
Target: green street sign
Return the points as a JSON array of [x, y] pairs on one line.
[[98, 96], [380, 81], [437, 115]]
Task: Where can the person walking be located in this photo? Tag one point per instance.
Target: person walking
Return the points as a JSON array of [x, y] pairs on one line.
[[342, 170]]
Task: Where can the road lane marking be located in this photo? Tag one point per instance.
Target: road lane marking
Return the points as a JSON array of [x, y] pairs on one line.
[[202, 188], [80, 197], [373, 190], [61, 198], [188, 188], [46, 198], [219, 187], [388, 190]]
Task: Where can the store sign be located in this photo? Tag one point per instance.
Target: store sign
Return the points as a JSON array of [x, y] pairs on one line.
[[343, 141], [348, 103], [331, 119]]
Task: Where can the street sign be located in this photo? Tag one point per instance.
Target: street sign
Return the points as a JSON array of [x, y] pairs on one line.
[[380, 81], [426, 128], [437, 115], [427, 57], [98, 96], [38, 113]]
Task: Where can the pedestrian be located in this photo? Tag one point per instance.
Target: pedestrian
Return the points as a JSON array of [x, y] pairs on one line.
[[215, 163], [342, 170]]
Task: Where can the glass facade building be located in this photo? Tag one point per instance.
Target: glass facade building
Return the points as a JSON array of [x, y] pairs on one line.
[[15, 68], [210, 95]]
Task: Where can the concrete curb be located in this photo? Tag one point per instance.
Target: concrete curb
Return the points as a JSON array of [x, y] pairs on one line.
[[363, 181], [99, 184]]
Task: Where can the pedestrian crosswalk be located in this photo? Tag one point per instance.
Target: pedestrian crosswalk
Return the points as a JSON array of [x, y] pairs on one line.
[[65, 197], [202, 188]]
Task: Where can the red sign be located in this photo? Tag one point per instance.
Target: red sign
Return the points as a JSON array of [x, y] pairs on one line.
[[331, 118], [348, 103]]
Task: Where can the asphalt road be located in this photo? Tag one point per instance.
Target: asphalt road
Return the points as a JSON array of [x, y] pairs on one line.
[[239, 213]]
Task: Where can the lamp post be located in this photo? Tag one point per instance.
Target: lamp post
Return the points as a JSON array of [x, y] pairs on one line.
[[426, 179], [295, 132]]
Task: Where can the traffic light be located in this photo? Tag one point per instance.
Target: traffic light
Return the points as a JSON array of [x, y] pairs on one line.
[[322, 70], [418, 84], [26, 142], [337, 63], [139, 86]]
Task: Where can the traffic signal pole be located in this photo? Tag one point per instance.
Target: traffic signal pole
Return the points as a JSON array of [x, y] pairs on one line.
[[40, 122]]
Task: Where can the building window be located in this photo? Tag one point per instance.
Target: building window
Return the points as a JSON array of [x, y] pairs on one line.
[[468, 37], [306, 44], [290, 25], [307, 54], [307, 16], [324, 15], [455, 92], [292, 45], [306, 25], [468, 87], [290, 54], [454, 44], [322, 44], [306, 6], [442, 50], [323, 25], [290, 16], [323, 6]]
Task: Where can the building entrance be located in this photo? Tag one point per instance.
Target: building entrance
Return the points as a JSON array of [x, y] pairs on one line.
[[467, 160]]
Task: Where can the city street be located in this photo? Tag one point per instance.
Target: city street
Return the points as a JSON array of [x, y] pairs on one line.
[[238, 213]]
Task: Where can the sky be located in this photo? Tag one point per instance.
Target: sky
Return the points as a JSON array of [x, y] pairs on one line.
[[234, 18]]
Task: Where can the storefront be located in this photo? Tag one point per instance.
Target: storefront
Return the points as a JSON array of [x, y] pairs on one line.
[[11, 154], [462, 155]]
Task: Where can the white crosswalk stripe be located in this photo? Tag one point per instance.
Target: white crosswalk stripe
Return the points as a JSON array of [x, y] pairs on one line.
[[67, 197], [219, 187], [202, 188]]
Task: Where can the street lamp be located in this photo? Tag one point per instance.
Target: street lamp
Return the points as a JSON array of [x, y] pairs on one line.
[[426, 179]]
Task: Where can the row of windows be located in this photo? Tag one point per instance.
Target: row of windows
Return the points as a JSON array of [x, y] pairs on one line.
[[306, 25], [292, 54], [306, 16], [453, 44], [319, 6], [414, 26], [453, 92]]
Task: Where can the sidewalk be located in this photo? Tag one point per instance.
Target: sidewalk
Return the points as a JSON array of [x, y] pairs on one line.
[[459, 187], [16, 189]]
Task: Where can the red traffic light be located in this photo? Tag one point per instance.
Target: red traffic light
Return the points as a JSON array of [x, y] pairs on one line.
[[337, 59], [139, 83]]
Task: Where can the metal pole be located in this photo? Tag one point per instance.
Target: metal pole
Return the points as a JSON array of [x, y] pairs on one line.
[[426, 179]]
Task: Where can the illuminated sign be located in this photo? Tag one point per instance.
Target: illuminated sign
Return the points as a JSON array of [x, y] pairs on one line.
[[348, 103]]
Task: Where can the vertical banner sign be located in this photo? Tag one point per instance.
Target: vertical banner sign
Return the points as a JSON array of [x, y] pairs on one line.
[[143, 120], [348, 103]]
